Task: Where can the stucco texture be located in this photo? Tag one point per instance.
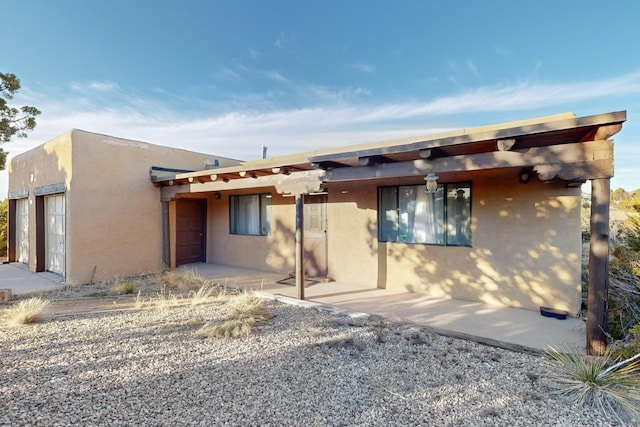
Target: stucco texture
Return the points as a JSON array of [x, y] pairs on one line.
[[113, 212]]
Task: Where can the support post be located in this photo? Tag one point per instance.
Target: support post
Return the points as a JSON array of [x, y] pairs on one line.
[[300, 245], [598, 292]]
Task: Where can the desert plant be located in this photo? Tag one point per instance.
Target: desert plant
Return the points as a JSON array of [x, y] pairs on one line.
[[248, 311], [203, 294], [165, 300], [122, 288], [139, 300], [183, 280], [624, 349], [608, 384], [26, 311]]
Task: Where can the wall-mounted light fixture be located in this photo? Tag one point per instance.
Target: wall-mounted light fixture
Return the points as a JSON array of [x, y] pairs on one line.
[[432, 182], [216, 196], [524, 176]]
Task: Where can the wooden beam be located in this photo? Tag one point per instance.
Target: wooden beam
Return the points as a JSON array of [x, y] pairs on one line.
[[505, 144], [586, 160], [598, 291], [603, 132], [324, 165], [372, 160], [426, 153], [300, 245], [302, 182]]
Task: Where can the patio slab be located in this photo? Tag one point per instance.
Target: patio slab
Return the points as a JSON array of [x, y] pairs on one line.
[[513, 328]]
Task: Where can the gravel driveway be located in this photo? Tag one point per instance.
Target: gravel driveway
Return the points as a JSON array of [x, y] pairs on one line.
[[302, 367]]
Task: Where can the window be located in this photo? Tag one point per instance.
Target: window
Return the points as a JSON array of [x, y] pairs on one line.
[[409, 214], [250, 214]]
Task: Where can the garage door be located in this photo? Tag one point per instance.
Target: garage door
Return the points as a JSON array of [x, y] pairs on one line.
[[55, 233], [22, 230]]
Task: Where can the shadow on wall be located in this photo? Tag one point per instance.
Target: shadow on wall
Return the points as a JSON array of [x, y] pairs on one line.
[[281, 256], [521, 254]]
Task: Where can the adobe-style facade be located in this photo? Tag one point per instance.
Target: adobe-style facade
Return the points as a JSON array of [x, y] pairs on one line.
[[500, 223], [81, 205]]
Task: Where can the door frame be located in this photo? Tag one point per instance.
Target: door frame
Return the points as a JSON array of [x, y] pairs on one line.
[[175, 261], [316, 240]]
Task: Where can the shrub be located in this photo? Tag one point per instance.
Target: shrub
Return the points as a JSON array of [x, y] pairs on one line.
[[122, 288], [26, 311], [183, 280], [248, 311], [609, 385], [203, 294]]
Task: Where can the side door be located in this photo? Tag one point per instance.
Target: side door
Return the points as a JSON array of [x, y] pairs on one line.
[[315, 235], [190, 231]]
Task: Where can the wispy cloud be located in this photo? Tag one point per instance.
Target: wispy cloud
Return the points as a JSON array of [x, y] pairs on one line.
[[474, 69], [255, 118], [327, 116], [283, 40], [253, 54], [94, 87], [363, 67]]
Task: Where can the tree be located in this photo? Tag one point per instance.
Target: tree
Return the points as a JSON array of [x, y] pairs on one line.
[[13, 121]]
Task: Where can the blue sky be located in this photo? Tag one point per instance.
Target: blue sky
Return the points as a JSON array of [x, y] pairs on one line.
[[228, 77]]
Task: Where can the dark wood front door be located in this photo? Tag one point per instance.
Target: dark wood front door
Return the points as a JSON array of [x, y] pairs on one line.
[[190, 231]]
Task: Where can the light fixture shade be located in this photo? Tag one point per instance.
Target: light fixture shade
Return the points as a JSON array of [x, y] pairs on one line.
[[432, 182]]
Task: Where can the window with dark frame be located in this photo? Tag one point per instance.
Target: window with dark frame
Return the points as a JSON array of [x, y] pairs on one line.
[[250, 214], [409, 214]]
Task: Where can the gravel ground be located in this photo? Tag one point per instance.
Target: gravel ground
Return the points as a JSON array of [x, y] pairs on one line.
[[302, 367]]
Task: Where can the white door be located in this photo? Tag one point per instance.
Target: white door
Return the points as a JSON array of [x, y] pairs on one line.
[[55, 233], [22, 230]]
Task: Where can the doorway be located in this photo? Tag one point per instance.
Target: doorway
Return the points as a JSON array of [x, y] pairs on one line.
[[55, 233], [190, 231], [315, 235]]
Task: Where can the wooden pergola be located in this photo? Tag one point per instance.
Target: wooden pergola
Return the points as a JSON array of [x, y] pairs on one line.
[[557, 148]]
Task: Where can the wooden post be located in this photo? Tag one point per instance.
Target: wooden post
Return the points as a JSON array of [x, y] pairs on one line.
[[300, 245], [598, 292]]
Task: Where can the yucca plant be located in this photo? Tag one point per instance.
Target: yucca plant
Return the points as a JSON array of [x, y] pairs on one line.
[[26, 311], [610, 385]]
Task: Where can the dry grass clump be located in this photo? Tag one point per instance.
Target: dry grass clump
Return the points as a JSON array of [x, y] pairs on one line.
[[248, 311], [203, 294], [123, 288], [165, 300], [26, 311], [183, 280], [606, 383]]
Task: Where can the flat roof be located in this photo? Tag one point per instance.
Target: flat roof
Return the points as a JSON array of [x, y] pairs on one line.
[[565, 128]]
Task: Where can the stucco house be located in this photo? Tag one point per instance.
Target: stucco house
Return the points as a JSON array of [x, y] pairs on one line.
[[488, 214], [81, 205]]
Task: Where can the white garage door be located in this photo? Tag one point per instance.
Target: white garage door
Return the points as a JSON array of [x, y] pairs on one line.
[[22, 230], [55, 233]]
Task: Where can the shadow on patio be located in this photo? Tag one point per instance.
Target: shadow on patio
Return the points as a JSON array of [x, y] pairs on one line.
[[510, 328]]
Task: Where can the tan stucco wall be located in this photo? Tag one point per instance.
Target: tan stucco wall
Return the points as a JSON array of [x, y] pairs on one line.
[[525, 247], [269, 253], [113, 212]]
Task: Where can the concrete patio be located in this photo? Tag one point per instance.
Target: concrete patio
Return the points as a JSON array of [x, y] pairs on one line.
[[505, 327]]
